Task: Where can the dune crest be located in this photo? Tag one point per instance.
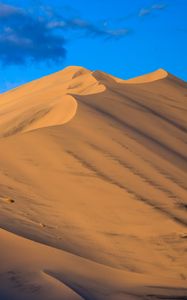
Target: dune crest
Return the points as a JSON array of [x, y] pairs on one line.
[[153, 76], [59, 114], [22, 111], [93, 185], [49, 102]]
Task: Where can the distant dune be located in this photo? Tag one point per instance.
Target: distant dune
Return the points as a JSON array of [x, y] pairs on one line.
[[93, 188]]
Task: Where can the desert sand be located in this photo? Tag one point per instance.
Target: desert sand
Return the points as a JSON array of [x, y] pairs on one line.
[[93, 188]]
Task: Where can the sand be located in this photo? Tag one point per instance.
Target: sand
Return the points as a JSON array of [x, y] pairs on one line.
[[93, 193]]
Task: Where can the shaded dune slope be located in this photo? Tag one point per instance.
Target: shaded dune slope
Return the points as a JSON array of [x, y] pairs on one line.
[[56, 274], [96, 167]]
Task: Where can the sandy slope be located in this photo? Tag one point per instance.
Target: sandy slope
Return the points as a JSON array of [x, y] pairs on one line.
[[106, 187]]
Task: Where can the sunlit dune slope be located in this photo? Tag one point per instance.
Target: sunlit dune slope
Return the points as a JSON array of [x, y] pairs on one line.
[[96, 167], [47, 101], [154, 76]]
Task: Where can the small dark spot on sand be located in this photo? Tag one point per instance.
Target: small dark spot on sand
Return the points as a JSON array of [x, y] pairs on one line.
[[42, 225], [7, 199], [183, 235]]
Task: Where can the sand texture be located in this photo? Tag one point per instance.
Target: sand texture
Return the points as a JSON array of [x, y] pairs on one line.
[[93, 188]]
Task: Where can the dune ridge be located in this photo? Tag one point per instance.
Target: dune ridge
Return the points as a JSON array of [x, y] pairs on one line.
[[17, 117], [151, 77], [93, 185]]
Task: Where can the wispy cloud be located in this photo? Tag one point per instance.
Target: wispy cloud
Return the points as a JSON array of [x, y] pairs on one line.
[[24, 37], [144, 11], [89, 29], [27, 35], [159, 6], [141, 13], [149, 10], [8, 10]]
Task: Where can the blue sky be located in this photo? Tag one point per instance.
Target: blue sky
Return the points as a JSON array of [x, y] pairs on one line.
[[125, 38]]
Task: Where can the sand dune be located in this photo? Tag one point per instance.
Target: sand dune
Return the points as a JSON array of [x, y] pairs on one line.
[[154, 76], [93, 186]]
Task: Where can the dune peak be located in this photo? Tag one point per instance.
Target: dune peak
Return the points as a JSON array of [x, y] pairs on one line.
[[75, 71], [150, 77], [53, 104]]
